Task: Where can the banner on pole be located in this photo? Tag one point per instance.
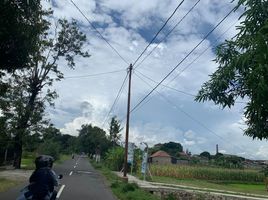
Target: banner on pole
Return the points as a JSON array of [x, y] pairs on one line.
[[144, 162], [130, 155]]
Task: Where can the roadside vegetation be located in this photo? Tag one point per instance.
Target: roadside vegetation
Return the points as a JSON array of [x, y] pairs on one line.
[[5, 184], [121, 189], [232, 186], [28, 159], [207, 173]]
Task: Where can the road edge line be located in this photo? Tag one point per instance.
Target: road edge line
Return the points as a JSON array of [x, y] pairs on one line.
[[60, 191]]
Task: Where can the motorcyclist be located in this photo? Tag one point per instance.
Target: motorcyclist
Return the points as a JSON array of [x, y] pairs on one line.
[[43, 179]]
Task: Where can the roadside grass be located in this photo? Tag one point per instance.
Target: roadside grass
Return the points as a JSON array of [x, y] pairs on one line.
[[121, 189], [5, 184], [63, 157], [249, 188], [27, 162]]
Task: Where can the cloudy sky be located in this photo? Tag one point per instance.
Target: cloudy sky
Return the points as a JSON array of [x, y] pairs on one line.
[[87, 93]]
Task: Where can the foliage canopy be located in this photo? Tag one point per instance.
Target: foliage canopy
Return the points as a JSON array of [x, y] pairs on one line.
[[243, 69]]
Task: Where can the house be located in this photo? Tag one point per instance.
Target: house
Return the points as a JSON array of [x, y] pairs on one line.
[[160, 157], [184, 156]]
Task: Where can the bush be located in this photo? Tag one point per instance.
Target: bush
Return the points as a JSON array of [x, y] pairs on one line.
[[114, 158], [115, 184], [129, 187]]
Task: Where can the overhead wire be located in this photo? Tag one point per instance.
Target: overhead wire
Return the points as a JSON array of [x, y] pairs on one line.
[[186, 93], [158, 94], [182, 60], [167, 34], [102, 37], [186, 67], [116, 100], [119, 92], [97, 74], [166, 86], [157, 33], [190, 116], [114, 49]]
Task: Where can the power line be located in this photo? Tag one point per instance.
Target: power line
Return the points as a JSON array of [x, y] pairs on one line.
[[161, 96], [115, 101], [168, 33], [97, 74], [186, 93], [180, 72], [158, 32], [108, 43], [189, 66], [182, 60], [188, 115]]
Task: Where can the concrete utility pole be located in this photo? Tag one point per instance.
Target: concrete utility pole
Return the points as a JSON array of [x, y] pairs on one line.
[[127, 123]]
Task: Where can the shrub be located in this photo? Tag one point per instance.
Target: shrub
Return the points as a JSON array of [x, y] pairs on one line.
[[114, 158], [129, 187], [115, 184]]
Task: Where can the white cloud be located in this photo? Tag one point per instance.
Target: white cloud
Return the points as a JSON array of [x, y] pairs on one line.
[[188, 142], [128, 25], [262, 152]]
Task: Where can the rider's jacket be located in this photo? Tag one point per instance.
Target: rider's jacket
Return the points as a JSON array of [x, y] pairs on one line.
[[42, 183]]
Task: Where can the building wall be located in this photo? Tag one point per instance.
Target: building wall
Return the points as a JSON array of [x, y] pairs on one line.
[[161, 160], [182, 162]]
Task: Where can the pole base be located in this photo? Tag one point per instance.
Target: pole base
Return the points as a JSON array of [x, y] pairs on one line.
[[124, 178]]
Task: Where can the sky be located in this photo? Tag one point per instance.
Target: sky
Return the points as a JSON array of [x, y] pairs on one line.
[[170, 113]]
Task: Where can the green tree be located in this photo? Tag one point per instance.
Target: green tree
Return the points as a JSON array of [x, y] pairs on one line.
[[228, 161], [243, 69], [205, 154], [114, 130], [91, 138], [29, 90], [19, 31], [50, 147], [66, 142], [51, 133], [31, 142], [20, 28], [172, 148]]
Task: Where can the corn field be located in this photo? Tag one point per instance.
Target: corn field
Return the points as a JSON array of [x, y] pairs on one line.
[[206, 173]]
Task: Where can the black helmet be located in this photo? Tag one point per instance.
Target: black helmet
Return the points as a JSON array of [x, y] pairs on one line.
[[44, 161]]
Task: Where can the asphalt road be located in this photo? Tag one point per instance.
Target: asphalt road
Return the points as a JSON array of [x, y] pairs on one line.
[[80, 182]]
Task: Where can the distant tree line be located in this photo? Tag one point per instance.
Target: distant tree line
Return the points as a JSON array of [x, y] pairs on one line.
[[49, 140]]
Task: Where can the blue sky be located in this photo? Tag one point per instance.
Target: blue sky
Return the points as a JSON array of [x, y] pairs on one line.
[[172, 116]]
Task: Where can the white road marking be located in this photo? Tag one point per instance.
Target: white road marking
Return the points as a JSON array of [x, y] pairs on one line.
[[71, 173], [85, 172], [75, 166], [60, 191]]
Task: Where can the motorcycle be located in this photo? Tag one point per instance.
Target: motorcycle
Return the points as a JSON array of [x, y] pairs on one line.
[[26, 194]]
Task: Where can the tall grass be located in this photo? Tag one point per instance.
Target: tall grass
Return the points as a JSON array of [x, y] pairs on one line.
[[207, 173]]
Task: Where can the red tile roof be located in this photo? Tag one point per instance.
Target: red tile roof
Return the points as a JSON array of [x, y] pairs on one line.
[[160, 154]]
